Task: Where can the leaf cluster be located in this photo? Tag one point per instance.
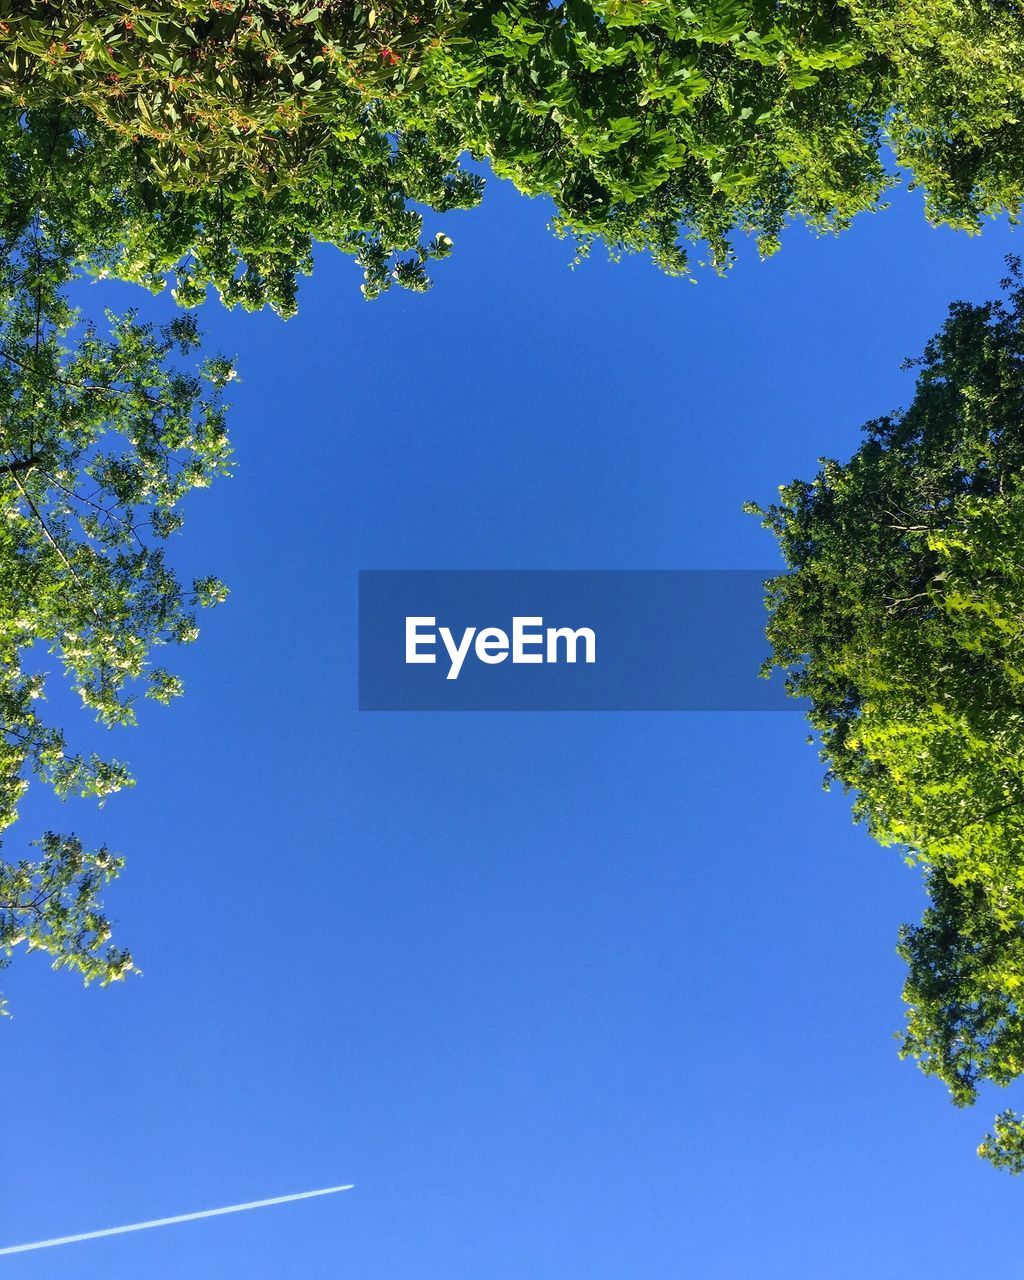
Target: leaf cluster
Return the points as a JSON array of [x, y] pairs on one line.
[[902, 622], [236, 132], [104, 431]]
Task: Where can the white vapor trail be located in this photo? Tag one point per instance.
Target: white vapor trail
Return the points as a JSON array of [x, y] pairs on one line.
[[167, 1222]]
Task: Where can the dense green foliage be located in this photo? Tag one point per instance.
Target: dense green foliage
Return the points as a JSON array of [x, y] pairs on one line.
[[1004, 1146], [902, 622], [115, 216], [237, 131], [52, 905], [965, 969], [102, 434], [213, 142]]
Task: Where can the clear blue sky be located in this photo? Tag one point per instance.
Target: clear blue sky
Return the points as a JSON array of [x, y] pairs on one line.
[[583, 995]]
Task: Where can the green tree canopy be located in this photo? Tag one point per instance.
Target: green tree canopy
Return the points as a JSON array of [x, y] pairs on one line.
[[103, 432], [235, 132], [902, 623]]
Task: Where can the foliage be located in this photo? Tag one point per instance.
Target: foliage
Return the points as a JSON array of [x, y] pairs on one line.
[[965, 973], [52, 905], [114, 214], [902, 623], [956, 121], [238, 131], [103, 434], [1004, 1147]]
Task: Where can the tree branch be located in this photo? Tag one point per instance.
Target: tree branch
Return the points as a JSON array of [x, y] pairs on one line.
[[19, 464]]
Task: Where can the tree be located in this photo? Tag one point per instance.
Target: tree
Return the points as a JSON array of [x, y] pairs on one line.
[[902, 622], [965, 967], [965, 1023], [262, 125], [53, 905], [117, 216], [102, 436]]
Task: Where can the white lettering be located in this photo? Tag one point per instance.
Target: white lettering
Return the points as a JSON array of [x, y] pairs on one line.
[[521, 638], [571, 639], [413, 640], [493, 645], [457, 652]]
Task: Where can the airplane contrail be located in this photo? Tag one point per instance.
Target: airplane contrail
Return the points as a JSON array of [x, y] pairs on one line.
[[167, 1222]]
